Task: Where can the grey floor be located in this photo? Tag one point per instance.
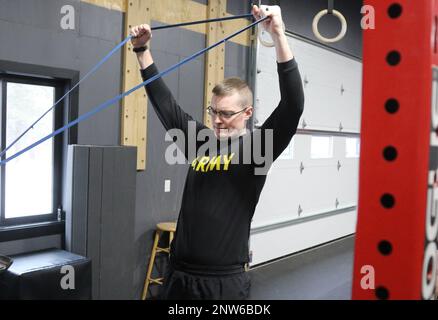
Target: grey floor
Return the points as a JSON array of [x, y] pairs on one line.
[[324, 273]]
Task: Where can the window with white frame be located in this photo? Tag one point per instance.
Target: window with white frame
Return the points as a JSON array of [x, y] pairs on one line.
[[352, 147], [30, 183], [321, 147]]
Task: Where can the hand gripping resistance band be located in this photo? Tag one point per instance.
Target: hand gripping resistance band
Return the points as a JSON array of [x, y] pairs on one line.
[[106, 58], [121, 96]]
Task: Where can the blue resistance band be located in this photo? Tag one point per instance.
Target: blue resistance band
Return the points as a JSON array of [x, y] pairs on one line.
[[247, 15], [94, 69], [106, 58], [121, 96]]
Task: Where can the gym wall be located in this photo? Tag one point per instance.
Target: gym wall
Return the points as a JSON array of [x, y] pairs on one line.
[[44, 49]]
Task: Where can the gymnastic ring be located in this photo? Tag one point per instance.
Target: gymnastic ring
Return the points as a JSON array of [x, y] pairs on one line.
[[265, 43], [319, 36]]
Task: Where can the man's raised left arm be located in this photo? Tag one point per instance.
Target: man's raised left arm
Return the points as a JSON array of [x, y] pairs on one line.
[[285, 118]]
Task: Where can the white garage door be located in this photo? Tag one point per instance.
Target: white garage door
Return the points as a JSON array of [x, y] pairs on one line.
[[310, 195]]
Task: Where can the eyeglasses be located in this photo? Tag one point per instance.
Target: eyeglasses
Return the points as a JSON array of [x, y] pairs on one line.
[[223, 114]]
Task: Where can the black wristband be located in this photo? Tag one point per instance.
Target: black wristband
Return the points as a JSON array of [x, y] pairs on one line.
[[140, 49]]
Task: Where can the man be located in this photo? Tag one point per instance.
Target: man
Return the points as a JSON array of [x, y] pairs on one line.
[[210, 248]]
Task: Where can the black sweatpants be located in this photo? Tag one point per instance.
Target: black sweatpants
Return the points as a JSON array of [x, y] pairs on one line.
[[189, 282]]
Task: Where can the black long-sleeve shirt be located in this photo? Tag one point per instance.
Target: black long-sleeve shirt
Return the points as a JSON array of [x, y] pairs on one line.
[[219, 197]]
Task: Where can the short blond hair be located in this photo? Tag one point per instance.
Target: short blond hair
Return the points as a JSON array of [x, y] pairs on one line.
[[232, 85]]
